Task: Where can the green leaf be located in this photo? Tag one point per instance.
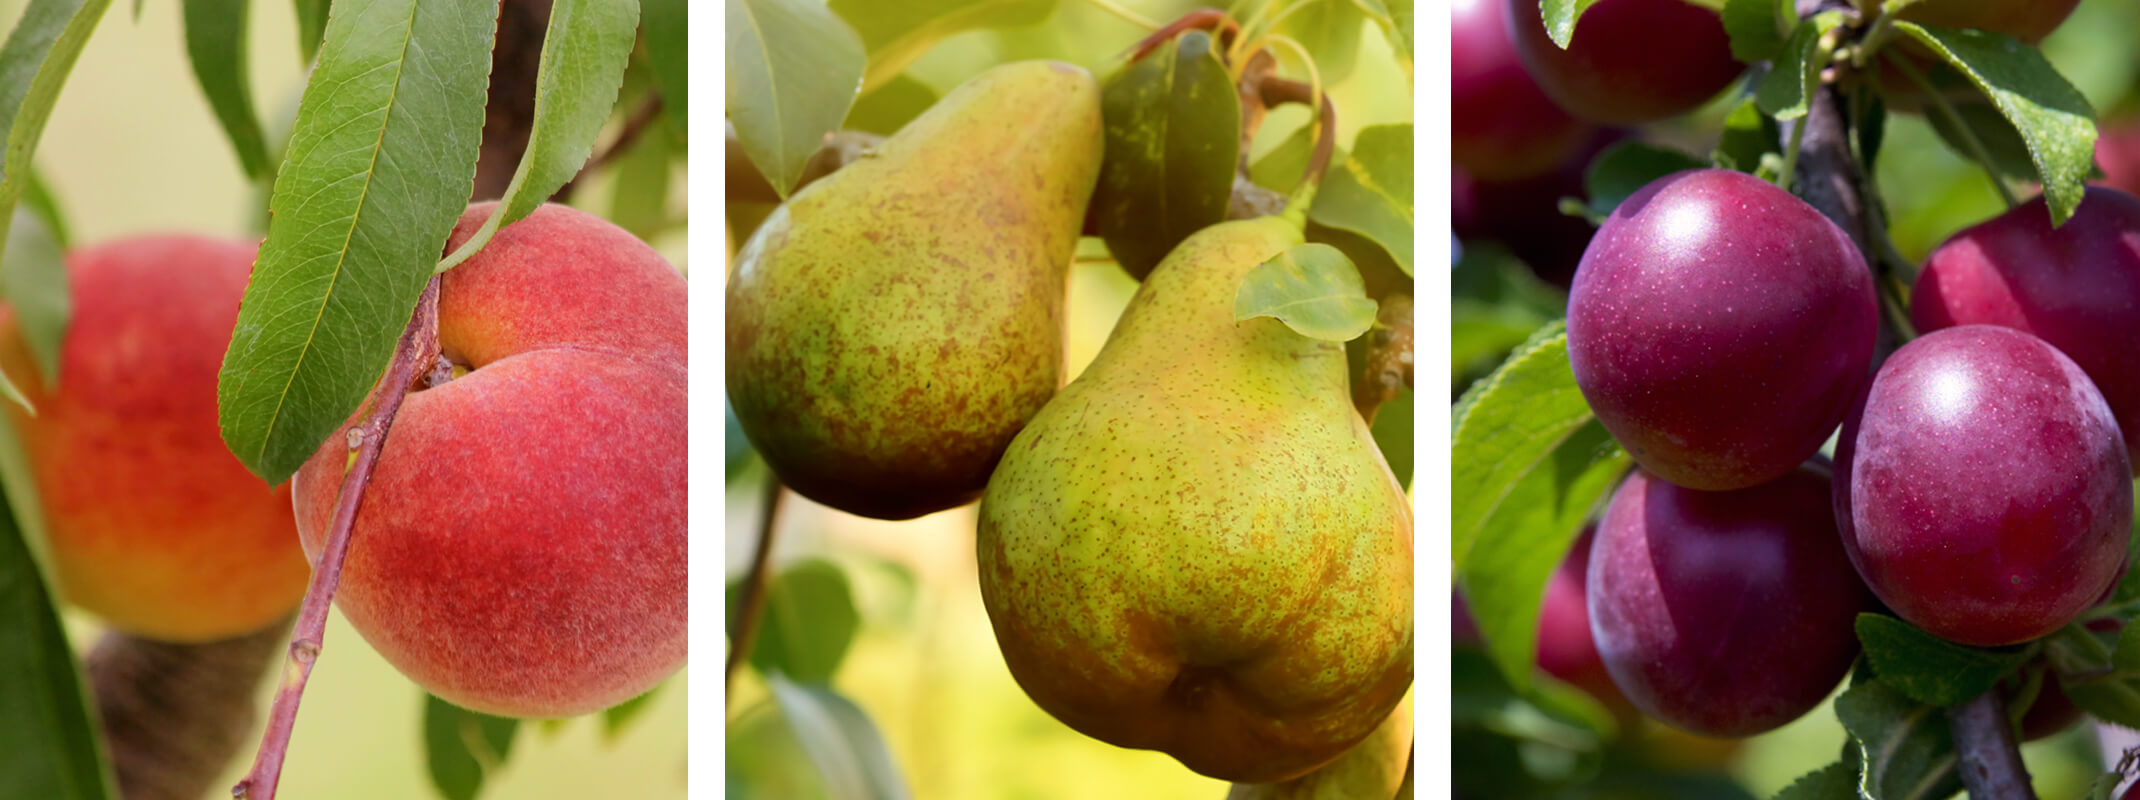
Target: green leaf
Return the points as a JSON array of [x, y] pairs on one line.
[[793, 70], [1787, 91], [215, 43], [37, 196], [463, 747], [1173, 134], [615, 718], [1505, 572], [1329, 29], [49, 744], [1393, 435], [1312, 288], [1837, 781], [1625, 168], [1396, 24], [1905, 746], [2054, 120], [667, 33], [584, 52], [2105, 785], [2007, 152], [1747, 136], [1506, 425], [1560, 17], [378, 169], [1370, 192], [1929, 669], [33, 277], [898, 33], [1281, 169], [1755, 28], [34, 64], [2108, 688], [311, 26], [886, 109], [840, 740], [810, 621], [1548, 712], [639, 200]]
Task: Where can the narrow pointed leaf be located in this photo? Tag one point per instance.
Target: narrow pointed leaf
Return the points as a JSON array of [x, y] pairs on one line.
[[49, 745], [311, 25], [379, 167], [584, 52], [33, 276], [462, 747], [215, 42], [666, 34]]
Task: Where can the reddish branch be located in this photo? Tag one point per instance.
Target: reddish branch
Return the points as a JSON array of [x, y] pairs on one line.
[[1276, 90], [1221, 25], [413, 359]]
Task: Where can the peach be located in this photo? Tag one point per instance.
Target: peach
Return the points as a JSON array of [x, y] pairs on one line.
[[152, 524], [521, 548]]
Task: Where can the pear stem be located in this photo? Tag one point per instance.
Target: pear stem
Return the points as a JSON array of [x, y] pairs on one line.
[[754, 585], [1276, 90], [417, 353], [1221, 25]]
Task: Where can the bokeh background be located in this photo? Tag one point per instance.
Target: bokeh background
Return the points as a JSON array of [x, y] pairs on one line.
[[133, 148], [1931, 194], [924, 664]]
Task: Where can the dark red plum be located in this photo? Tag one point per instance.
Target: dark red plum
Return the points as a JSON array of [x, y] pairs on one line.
[[1501, 125], [2076, 287], [1724, 613], [2117, 152], [1565, 647], [1524, 215], [1719, 328], [1982, 487], [1630, 61]]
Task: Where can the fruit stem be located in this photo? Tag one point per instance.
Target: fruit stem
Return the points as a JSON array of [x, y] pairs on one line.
[[1946, 111], [753, 607], [1222, 26], [1276, 90], [417, 353], [1990, 759]]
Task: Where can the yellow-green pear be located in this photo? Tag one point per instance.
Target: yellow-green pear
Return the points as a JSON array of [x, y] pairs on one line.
[[1196, 546], [894, 324], [1371, 770]]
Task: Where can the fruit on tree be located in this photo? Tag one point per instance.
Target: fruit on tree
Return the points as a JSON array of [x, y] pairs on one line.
[[1524, 215], [521, 548], [2069, 286], [1982, 488], [1630, 61], [1719, 328], [2117, 152], [152, 524], [1501, 125], [1372, 768], [1566, 649], [1724, 613], [1204, 556], [894, 324]]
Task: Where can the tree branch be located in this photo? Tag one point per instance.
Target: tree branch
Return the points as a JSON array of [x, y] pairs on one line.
[[1990, 758], [754, 585]]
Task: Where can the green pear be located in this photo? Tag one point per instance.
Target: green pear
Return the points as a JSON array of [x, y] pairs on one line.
[[1371, 770], [1196, 546], [894, 324]]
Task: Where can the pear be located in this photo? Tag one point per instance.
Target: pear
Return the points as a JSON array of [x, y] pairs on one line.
[[894, 324], [1371, 770], [1196, 546]]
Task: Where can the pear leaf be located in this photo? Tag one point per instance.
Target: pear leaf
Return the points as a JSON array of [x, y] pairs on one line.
[[1312, 288], [793, 71], [1370, 192]]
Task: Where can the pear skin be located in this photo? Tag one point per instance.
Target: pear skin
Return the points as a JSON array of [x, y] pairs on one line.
[[1196, 547], [894, 324], [1371, 770]]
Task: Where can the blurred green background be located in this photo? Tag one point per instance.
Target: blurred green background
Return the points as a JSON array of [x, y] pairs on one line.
[[132, 148], [1931, 194], [924, 663]]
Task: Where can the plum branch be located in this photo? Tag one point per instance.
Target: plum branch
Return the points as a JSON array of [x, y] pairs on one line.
[[413, 359]]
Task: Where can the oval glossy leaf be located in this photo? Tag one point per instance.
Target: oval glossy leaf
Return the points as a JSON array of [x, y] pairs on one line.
[[49, 745], [1756, 28], [2006, 151], [1837, 781], [2055, 122], [1281, 169], [463, 747], [1625, 168], [793, 70], [34, 64], [215, 43], [810, 620], [1394, 17], [584, 52], [33, 278], [1904, 745], [1329, 30], [839, 738], [667, 31], [897, 33], [1748, 136], [1787, 91], [379, 167], [887, 108], [1370, 192], [1173, 135], [1929, 669], [311, 26], [1312, 288]]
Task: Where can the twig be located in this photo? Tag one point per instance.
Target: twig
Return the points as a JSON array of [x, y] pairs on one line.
[[1990, 759], [1276, 90], [1387, 358], [416, 356], [635, 123], [754, 584]]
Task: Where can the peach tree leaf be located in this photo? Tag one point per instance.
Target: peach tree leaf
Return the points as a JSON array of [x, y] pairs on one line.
[[793, 71], [215, 44], [378, 168], [462, 748], [51, 745], [584, 52], [666, 27], [1312, 288], [34, 270], [311, 26]]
